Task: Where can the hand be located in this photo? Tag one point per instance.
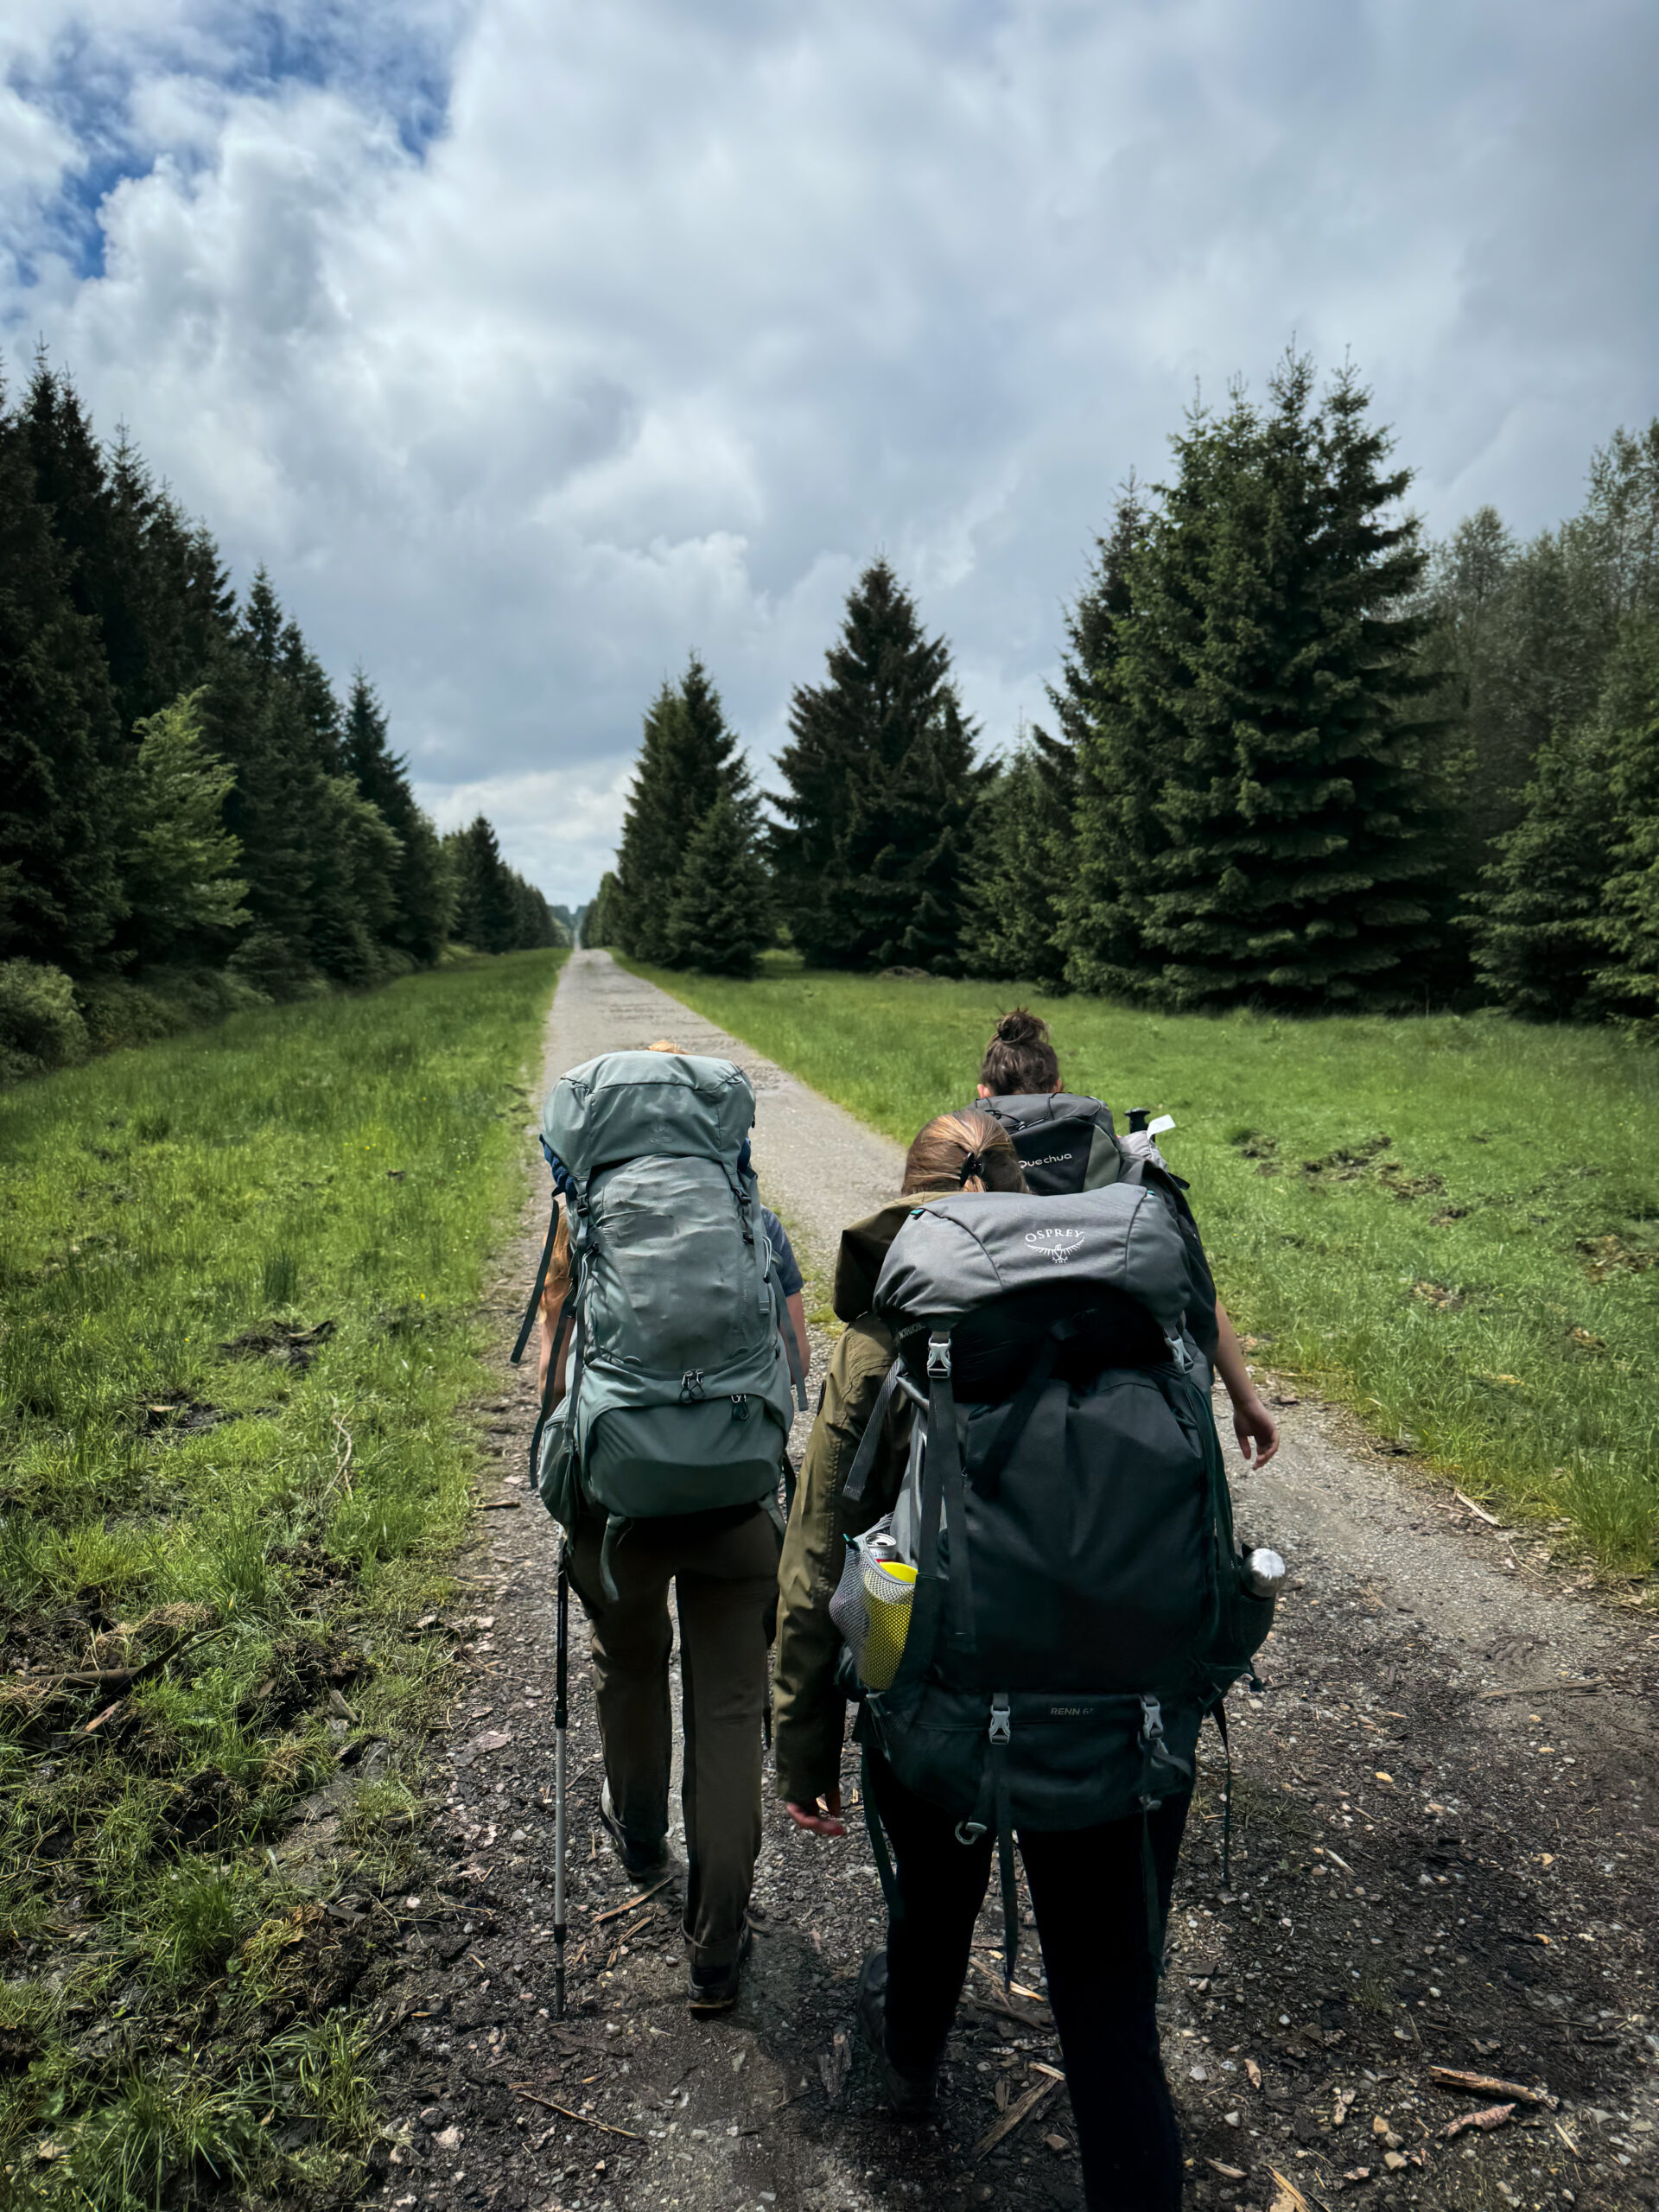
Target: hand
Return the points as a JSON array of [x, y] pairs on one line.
[[822, 1816], [1255, 1430]]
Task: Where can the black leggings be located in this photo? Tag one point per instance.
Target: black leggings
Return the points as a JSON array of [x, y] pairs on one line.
[[1088, 1886]]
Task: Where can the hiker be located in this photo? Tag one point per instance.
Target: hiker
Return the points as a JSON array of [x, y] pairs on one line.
[[1098, 1786], [664, 1470], [1067, 1141]]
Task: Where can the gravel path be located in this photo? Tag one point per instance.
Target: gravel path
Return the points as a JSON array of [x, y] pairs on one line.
[[1444, 1854]]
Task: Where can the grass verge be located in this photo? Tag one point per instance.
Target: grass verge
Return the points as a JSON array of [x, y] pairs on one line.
[[239, 1278], [1452, 1223]]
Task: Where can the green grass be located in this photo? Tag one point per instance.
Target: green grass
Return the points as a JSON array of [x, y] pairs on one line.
[[1477, 1278], [239, 1283]]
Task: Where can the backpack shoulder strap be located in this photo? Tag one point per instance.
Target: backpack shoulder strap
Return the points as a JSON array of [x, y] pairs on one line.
[[538, 1286], [858, 1475]]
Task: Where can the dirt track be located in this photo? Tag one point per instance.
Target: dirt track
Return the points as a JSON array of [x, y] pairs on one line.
[[1444, 1846]]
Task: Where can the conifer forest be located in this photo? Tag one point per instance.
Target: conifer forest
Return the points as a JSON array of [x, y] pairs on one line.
[[1298, 757], [191, 820]]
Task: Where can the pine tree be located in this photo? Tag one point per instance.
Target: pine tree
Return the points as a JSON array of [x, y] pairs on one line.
[[1026, 865], [651, 847], [688, 758], [1628, 983], [599, 922], [420, 883], [487, 913], [871, 860], [535, 923], [1260, 791], [61, 797], [722, 917], [1015, 926], [1540, 940], [180, 862], [912, 826]]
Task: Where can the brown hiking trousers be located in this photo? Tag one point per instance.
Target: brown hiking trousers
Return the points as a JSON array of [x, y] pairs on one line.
[[724, 1569]]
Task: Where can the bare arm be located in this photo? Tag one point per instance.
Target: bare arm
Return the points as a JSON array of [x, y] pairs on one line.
[[1253, 1425], [797, 1322], [544, 1358]]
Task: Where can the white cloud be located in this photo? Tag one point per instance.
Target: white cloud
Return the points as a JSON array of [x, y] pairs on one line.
[[683, 313]]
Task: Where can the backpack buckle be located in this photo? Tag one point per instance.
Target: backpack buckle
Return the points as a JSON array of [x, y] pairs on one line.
[[1001, 1724], [1152, 1720], [938, 1355]]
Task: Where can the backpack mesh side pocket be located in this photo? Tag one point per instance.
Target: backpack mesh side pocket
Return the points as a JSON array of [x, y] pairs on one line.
[[871, 1610]]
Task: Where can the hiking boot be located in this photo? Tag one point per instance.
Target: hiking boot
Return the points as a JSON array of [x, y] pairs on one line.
[[907, 2096], [644, 1861], [714, 1989]]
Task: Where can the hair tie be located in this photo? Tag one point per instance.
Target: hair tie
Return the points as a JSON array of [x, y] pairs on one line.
[[972, 1166]]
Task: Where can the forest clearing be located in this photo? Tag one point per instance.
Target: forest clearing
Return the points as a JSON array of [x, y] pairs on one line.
[[278, 1766]]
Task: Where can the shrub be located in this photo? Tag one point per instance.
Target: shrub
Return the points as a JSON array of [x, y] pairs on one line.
[[40, 1027]]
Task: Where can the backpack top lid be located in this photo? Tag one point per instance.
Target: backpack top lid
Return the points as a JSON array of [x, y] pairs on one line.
[[960, 1254], [634, 1105], [1025, 1109]]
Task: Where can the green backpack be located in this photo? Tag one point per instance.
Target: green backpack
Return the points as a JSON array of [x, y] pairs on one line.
[[679, 1397]]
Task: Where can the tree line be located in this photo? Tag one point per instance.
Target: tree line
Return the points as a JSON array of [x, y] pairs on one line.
[[190, 819], [1298, 757]]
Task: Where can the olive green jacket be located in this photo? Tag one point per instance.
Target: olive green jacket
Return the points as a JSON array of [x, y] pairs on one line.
[[808, 1710]]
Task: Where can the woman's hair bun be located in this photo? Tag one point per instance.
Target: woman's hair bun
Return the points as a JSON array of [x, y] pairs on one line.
[[1021, 1026]]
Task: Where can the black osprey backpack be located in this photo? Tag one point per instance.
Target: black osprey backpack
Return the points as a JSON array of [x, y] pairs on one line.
[[1076, 1597]]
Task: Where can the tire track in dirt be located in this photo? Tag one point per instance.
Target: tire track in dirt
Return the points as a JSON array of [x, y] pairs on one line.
[[1444, 1854]]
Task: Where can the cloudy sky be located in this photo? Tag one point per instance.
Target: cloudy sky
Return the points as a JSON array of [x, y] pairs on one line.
[[532, 344]]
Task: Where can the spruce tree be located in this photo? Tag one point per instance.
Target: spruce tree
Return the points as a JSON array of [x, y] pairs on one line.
[[1539, 938], [487, 913], [871, 860], [651, 847], [722, 917], [182, 863], [599, 922], [1628, 983], [688, 758], [1015, 923], [1262, 791], [1027, 867], [61, 798], [912, 827], [420, 882]]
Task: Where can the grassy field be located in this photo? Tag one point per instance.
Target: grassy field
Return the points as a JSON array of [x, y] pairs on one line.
[[239, 1277], [1453, 1224]]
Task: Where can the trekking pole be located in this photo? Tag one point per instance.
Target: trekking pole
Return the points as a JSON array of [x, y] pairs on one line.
[[560, 1721]]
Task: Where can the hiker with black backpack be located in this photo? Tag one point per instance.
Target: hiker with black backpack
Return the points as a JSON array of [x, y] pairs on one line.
[[1012, 1546], [1068, 1141], [667, 1368]]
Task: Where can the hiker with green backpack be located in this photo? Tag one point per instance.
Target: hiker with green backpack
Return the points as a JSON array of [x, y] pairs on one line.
[[669, 1375], [1011, 1547]]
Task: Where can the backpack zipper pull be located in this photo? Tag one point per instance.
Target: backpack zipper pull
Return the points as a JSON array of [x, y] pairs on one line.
[[691, 1387], [739, 1405]]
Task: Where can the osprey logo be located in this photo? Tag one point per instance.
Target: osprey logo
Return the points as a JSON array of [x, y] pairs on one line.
[[1057, 1245]]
